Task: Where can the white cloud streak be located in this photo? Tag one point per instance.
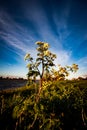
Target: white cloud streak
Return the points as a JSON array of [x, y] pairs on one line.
[[16, 36], [41, 22], [82, 64], [63, 57]]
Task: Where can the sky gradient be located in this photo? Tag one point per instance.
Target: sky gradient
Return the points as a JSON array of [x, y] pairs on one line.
[[61, 23]]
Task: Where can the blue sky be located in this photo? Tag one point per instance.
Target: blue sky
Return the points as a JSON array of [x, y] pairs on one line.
[[61, 23]]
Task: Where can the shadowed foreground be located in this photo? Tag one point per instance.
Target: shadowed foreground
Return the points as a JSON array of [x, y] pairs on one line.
[[62, 106]]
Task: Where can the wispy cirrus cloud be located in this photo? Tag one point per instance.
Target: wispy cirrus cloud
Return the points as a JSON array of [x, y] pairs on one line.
[[14, 34], [63, 57], [18, 37], [61, 21], [82, 71], [40, 21], [51, 25], [82, 62]]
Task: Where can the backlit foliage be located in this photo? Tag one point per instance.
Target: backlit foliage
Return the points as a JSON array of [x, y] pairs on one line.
[[63, 72], [62, 106], [41, 65], [44, 61]]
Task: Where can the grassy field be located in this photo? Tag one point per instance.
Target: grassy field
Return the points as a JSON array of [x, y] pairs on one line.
[[62, 106]]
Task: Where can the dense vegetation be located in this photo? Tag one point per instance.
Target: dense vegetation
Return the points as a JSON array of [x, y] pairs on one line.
[[62, 106]]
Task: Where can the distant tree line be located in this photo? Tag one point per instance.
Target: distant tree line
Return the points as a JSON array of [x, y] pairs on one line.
[[13, 78]]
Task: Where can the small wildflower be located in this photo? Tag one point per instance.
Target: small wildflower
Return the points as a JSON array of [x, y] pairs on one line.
[[46, 45], [47, 53], [29, 66], [54, 56], [27, 56], [39, 43]]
